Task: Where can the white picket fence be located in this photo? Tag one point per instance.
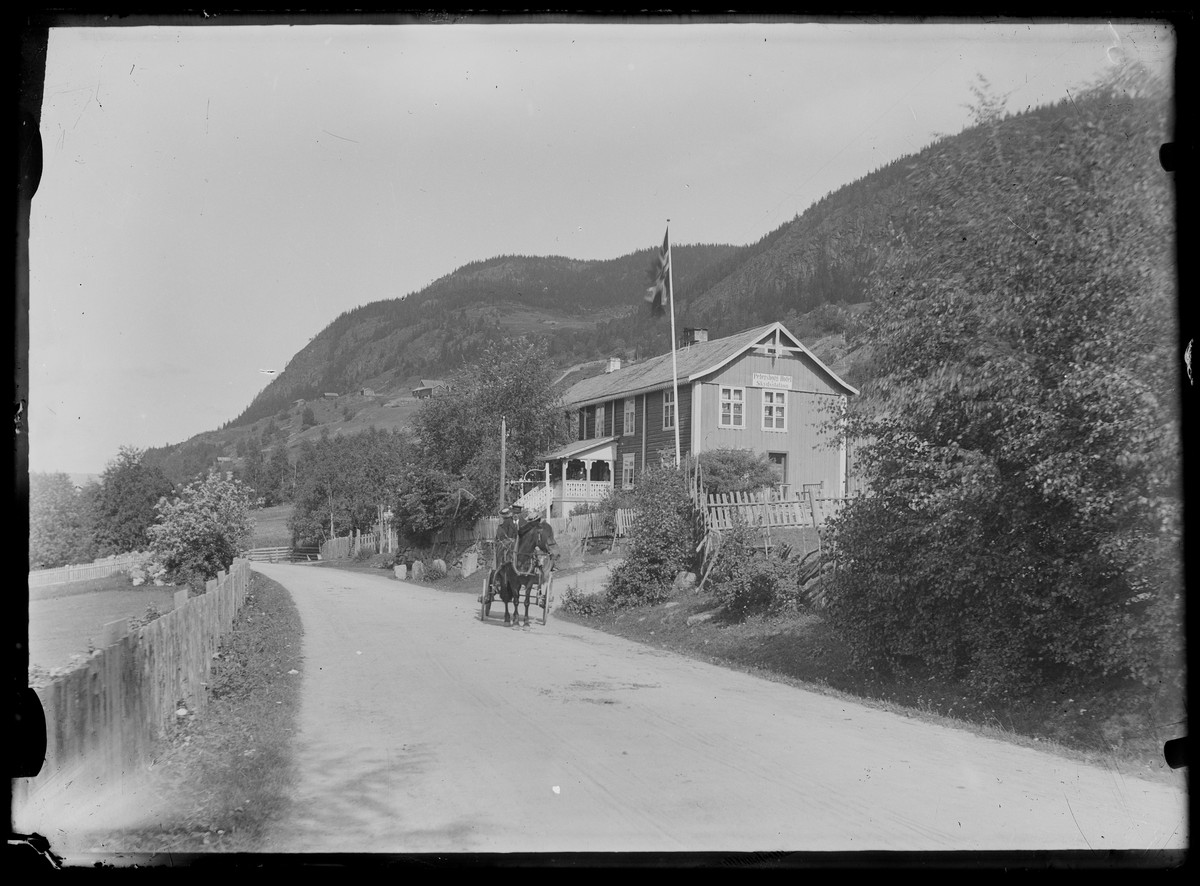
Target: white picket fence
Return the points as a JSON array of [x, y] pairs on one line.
[[41, 578], [350, 545]]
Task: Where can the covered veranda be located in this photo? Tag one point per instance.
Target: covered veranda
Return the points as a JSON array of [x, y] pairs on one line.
[[580, 472]]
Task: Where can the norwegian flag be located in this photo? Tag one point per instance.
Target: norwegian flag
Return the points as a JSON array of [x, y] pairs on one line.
[[660, 275]]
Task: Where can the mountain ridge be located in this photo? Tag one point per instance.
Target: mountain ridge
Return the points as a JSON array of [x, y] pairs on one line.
[[842, 251]]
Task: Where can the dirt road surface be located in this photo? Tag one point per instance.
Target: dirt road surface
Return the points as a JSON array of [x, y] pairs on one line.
[[424, 730]]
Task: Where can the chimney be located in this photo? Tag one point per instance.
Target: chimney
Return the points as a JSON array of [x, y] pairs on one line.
[[694, 336], [614, 363]]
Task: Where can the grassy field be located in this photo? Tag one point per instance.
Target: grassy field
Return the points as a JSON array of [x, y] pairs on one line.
[[219, 781], [64, 619], [271, 527]]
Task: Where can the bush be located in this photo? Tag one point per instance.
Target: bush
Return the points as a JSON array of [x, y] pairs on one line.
[[736, 470], [433, 572], [1025, 523], [747, 581], [585, 605], [201, 532], [364, 553], [139, 622], [607, 507], [663, 539]]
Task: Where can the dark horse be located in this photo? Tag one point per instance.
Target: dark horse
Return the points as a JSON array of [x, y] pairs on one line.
[[535, 540]]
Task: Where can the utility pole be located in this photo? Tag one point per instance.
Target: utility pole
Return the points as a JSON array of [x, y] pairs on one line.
[[503, 452]]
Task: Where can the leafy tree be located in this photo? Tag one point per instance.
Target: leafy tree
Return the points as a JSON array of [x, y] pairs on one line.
[[201, 532], [59, 528], [341, 481], [185, 462], [735, 470], [308, 420], [427, 499], [1024, 526], [279, 478], [253, 471], [123, 505], [458, 435]]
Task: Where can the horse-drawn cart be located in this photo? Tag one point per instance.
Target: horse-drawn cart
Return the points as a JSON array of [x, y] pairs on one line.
[[526, 573]]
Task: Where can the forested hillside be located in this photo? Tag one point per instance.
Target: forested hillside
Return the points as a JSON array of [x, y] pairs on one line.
[[855, 246], [437, 330]]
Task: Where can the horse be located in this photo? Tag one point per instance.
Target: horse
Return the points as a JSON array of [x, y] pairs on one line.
[[534, 538]]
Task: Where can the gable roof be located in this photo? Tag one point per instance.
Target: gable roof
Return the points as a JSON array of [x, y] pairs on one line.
[[694, 363], [579, 448]]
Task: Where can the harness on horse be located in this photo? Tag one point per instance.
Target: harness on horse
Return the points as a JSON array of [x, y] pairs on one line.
[[527, 562]]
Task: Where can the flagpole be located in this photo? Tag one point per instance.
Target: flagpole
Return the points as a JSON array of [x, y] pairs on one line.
[[674, 362]]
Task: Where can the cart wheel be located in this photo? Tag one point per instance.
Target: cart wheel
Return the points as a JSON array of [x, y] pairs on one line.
[[546, 592], [485, 599]]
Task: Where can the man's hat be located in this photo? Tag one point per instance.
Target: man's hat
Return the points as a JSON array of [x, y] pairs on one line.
[[506, 512]]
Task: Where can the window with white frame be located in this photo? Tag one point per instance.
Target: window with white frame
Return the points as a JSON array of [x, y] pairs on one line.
[[630, 416], [774, 410], [627, 468], [599, 421], [733, 407], [668, 409]]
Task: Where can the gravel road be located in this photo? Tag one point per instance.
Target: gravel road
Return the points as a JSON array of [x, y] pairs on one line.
[[424, 730]]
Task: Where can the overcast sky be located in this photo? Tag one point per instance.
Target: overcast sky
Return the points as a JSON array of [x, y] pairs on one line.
[[213, 197]]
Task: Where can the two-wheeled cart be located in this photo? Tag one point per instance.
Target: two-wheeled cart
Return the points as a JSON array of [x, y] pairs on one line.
[[536, 590]]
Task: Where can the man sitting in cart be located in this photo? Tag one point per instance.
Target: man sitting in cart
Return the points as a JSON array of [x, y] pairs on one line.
[[506, 537], [534, 521]]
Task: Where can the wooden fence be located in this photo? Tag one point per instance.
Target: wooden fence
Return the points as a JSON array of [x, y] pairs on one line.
[[102, 718], [483, 530], [804, 511], [346, 547], [40, 578], [286, 554]]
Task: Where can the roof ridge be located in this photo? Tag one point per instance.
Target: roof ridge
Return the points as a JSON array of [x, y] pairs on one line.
[[692, 362]]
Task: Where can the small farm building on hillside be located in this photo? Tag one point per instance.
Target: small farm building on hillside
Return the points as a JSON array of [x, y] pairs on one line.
[[428, 386], [760, 390]]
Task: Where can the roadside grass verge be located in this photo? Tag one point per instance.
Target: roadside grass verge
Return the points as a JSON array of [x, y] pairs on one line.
[[222, 779], [1114, 727]]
